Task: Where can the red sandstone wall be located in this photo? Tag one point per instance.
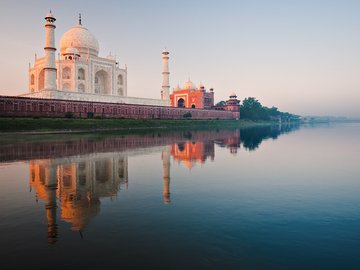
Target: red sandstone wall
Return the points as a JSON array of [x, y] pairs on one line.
[[36, 107]]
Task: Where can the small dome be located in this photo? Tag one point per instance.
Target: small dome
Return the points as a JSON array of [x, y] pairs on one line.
[[50, 15], [200, 86], [80, 38], [71, 50], [165, 52], [233, 95], [189, 85]]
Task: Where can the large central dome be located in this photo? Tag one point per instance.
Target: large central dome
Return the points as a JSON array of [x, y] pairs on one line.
[[80, 38]]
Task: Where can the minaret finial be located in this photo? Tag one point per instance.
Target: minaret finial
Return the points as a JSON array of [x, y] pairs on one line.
[[80, 18]]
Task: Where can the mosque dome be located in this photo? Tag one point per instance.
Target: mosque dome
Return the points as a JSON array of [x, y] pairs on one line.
[[189, 85], [80, 38]]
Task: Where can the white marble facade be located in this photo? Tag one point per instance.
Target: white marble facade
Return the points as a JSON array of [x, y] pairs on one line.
[[80, 73], [80, 69]]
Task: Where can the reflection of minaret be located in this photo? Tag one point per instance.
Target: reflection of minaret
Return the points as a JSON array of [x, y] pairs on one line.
[[50, 203], [166, 173]]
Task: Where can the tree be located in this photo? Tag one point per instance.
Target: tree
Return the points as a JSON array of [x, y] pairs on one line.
[[251, 108], [221, 103]]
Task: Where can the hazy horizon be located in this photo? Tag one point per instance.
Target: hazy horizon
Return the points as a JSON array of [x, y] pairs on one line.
[[300, 57]]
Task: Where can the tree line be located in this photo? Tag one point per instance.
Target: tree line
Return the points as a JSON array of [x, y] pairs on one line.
[[252, 109]]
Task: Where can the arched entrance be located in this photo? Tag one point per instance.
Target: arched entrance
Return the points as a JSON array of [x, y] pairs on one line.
[[181, 103], [102, 83], [193, 106]]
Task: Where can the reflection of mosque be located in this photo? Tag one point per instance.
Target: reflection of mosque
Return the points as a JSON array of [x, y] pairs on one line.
[[192, 152], [78, 184], [75, 184]]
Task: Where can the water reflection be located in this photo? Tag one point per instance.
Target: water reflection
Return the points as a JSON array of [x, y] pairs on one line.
[[78, 183], [73, 175]]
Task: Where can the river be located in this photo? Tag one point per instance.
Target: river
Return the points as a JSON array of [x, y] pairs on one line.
[[282, 197]]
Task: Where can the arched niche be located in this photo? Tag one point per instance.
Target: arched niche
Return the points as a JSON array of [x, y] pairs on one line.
[[81, 74], [66, 73], [102, 83], [120, 80]]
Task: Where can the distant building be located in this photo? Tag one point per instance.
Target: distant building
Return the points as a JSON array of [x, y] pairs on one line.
[[232, 105], [191, 96]]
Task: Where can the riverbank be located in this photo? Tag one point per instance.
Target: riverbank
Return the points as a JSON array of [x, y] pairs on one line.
[[63, 125]]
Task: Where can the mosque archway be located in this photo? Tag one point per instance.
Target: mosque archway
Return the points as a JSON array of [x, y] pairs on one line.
[[41, 80], [181, 103], [181, 147], [193, 106], [102, 83]]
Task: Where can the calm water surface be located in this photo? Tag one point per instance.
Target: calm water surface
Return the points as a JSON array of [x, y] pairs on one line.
[[264, 198]]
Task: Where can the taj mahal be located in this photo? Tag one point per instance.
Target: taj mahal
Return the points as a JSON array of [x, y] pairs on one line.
[[79, 73], [77, 80]]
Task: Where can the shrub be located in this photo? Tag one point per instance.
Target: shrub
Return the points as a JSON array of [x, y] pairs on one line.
[[187, 115]]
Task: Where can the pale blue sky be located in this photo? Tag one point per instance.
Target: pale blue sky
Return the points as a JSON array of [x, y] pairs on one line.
[[301, 56]]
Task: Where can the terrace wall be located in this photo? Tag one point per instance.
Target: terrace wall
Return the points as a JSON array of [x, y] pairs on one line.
[[36, 107]]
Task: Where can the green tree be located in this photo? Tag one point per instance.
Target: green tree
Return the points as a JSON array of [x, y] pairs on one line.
[[252, 109], [221, 103]]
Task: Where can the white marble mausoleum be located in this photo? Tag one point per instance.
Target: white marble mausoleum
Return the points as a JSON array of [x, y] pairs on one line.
[[77, 72]]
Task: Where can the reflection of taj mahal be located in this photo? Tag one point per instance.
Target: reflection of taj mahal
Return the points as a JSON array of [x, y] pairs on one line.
[[77, 183]]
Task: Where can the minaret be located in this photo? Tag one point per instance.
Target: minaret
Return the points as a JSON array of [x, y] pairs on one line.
[[49, 65], [166, 173], [165, 89]]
